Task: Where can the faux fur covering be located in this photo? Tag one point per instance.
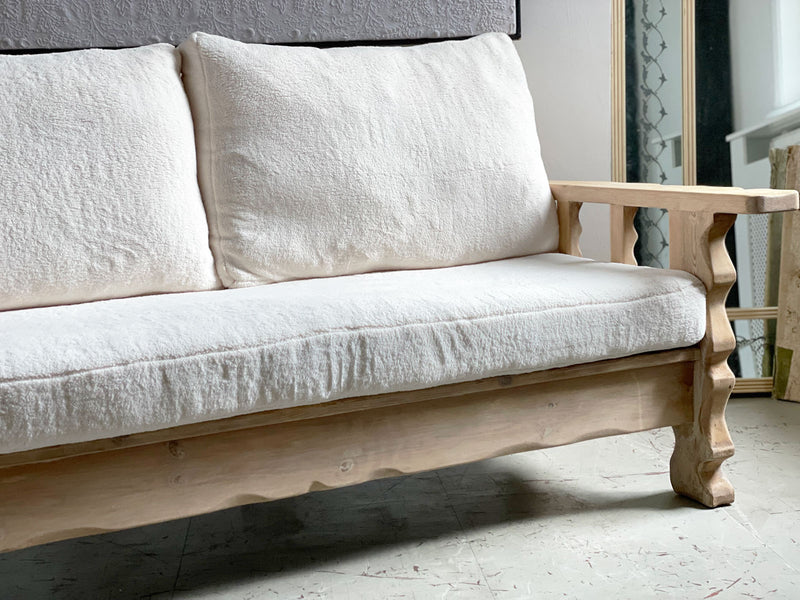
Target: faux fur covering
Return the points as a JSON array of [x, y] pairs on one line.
[[317, 163], [98, 179], [104, 369]]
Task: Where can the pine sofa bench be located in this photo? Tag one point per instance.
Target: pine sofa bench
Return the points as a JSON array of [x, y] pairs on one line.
[[233, 273]]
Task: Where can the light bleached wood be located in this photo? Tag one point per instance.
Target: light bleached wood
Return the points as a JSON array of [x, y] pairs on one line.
[[93, 493], [753, 314], [349, 405], [569, 227], [676, 197], [623, 234], [787, 335], [618, 115], [697, 245], [688, 95], [753, 385]]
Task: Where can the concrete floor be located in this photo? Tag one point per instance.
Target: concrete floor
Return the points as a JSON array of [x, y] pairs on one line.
[[592, 520]]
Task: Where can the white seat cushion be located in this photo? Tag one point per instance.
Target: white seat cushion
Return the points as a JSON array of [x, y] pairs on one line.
[[75, 373]]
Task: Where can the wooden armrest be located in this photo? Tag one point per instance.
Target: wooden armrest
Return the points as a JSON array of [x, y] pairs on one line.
[[677, 197]]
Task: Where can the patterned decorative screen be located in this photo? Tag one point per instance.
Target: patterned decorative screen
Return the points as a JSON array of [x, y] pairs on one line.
[[66, 24], [655, 114]]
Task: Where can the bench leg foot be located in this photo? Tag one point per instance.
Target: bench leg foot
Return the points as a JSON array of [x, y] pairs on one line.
[[702, 446], [696, 472]]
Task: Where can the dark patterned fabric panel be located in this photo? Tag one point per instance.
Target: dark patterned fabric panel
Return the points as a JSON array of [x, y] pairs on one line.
[[66, 24]]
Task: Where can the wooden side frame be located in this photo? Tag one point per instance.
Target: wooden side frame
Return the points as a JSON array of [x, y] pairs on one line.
[[700, 217]]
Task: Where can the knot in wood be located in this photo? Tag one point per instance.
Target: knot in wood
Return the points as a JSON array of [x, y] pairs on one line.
[[505, 380], [176, 449]]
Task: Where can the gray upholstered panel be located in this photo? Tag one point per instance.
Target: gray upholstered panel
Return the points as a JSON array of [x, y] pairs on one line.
[[39, 24]]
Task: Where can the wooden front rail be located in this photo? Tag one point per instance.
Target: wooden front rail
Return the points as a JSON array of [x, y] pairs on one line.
[[86, 488]]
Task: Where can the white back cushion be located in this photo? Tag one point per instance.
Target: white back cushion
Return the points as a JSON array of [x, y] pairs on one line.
[[346, 160], [98, 179]]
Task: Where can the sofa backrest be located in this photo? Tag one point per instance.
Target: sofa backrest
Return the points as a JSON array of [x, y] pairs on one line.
[[98, 179], [318, 163], [414, 158]]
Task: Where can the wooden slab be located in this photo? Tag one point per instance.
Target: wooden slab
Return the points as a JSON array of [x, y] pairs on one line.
[[787, 336], [676, 197]]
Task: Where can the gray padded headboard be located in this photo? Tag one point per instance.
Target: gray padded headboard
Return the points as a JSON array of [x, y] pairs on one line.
[[67, 24]]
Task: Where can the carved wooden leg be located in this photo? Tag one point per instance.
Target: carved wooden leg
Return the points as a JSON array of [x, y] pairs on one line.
[[702, 446]]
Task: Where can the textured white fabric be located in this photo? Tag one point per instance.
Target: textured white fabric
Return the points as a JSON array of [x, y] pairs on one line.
[[73, 373], [347, 160], [98, 179]]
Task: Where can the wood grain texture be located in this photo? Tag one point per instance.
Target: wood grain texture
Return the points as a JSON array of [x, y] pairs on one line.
[[93, 493], [618, 140], [697, 245], [753, 385], [778, 161], [623, 234], [349, 405], [569, 227], [676, 197], [688, 94], [753, 314], [787, 335]]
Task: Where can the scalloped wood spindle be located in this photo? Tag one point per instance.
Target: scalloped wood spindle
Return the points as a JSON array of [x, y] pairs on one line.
[[702, 446], [569, 227], [623, 234]]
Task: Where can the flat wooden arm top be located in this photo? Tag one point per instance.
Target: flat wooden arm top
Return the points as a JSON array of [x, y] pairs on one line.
[[677, 197]]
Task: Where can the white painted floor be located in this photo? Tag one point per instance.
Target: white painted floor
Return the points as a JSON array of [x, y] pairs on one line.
[[592, 520]]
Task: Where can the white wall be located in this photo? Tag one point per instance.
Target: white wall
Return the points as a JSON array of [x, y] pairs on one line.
[[752, 66], [765, 53], [787, 55], [566, 51]]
